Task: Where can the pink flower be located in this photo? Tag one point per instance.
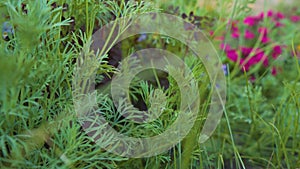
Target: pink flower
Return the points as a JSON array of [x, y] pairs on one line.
[[250, 20], [276, 51], [264, 33], [249, 34], [233, 25], [270, 13], [247, 63], [261, 57], [295, 18], [252, 61], [235, 34], [244, 65], [263, 30], [279, 15], [265, 39], [278, 24], [245, 51], [261, 16], [234, 28], [225, 47], [266, 62], [232, 55]]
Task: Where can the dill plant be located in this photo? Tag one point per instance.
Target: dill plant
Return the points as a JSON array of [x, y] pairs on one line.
[[38, 125]]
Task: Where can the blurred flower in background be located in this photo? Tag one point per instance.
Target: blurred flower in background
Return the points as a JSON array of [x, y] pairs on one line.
[[255, 41]]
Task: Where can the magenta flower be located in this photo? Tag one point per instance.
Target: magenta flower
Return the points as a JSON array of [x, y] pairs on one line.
[[251, 61], [261, 57], [246, 51], [249, 34], [234, 27], [278, 24], [261, 16], [247, 56], [232, 55], [253, 20], [276, 51], [279, 15], [235, 35], [265, 39], [270, 13], [250, 20], [263, 30], [264, 33], [258, 56], [245, 67], [225, 47], [265, 61], [295, 18], [274, 71], [247, 63]]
